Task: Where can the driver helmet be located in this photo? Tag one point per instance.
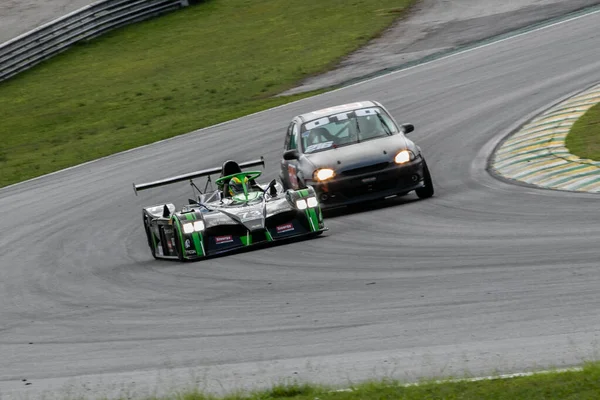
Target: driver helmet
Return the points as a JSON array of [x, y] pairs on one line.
[[236, 185]]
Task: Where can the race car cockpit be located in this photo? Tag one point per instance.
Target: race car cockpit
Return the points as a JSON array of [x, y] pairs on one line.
[[231, 167]]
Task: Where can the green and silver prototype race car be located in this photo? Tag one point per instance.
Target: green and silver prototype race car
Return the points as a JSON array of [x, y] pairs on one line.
[[224, 220]]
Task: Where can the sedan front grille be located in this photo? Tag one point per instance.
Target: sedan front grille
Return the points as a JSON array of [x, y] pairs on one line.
[[366, 170]]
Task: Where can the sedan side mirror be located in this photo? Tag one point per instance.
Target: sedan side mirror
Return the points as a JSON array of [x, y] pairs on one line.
[[407, 128], [291, 155]]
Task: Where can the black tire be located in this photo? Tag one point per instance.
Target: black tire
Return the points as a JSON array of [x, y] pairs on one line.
[[177, 244], [149, 237], [426, 191], [147, 230]]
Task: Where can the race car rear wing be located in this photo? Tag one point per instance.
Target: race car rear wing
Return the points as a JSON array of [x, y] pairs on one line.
[[192, 175]]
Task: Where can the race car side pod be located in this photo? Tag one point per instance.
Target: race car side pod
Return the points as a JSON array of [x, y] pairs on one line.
[[192, 175]]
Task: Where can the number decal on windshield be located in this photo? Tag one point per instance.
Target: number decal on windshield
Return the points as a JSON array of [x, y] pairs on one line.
[[319, 146]]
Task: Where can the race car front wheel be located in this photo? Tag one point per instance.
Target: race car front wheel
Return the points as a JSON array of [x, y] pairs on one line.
[[426, 191]]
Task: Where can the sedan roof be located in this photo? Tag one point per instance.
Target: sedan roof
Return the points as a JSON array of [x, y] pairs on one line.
[[336, 109]]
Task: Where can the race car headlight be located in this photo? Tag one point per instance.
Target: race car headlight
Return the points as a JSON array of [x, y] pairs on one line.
[[323, 174], [312, 202], [196, 226], [404, 156], [301, 204], [188, 228]]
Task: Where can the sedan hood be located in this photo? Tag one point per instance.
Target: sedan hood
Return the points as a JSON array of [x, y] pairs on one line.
[[359, 154]]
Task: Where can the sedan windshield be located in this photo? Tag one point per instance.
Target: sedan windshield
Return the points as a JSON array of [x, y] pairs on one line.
[[346, 128]]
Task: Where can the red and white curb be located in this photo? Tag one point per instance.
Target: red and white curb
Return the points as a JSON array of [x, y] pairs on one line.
[[537, 154]]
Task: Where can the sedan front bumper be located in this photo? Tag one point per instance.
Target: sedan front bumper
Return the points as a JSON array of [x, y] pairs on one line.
[[357, 186]]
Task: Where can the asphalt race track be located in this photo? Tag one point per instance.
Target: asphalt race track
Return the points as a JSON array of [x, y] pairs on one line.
[[486, 276]]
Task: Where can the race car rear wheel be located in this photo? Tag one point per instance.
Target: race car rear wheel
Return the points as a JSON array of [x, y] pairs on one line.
[[426, 191], [149, 236]]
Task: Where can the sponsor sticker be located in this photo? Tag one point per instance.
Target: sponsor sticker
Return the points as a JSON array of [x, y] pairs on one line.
[[285, 228], [223, 239], [187, 243], [341, 107], [190, 252], [313, 124], [366, 111], [250, 215], [371, 179], [319, 146]]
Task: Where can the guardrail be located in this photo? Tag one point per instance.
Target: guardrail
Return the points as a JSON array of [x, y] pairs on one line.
[[31, 48]]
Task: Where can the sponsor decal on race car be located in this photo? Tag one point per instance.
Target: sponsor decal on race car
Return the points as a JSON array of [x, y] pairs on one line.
[[190, 252], [187, 243], [285, 228], [217, 219], [250, 215], [223, 239], [371, 179]]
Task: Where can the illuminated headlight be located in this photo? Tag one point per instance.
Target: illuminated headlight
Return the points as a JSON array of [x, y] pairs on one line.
[[196, 226], [301, 204], [188, 228], [312, 202], [404, 156], [324, 174]]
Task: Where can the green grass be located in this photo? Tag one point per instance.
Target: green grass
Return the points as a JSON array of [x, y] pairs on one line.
[[572, 385], [190, 69], [584, 138]]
